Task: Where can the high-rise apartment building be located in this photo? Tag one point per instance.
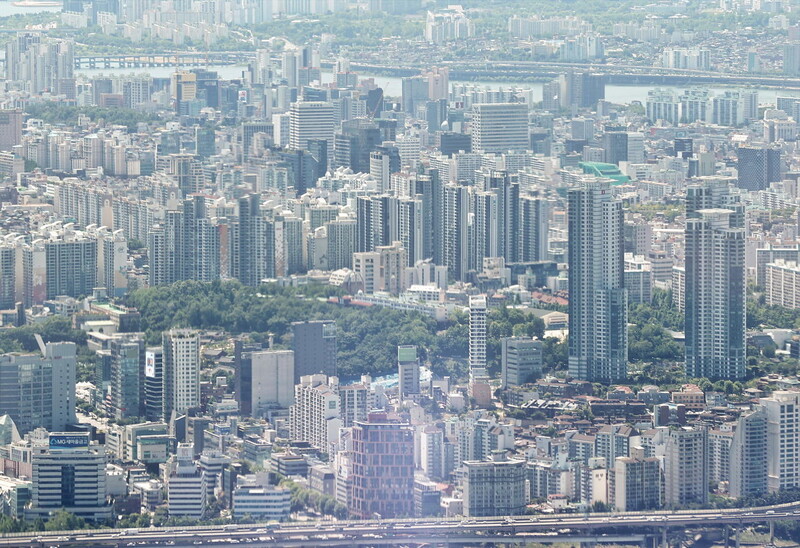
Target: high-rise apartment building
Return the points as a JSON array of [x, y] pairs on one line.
[[41, 64], [714, 283], [38, 390], [663, 104], [782, 284], [500, 127], [185, 170], [181, 371], [382, 469], [314, 417], [342, 235], [782, 409], [638, 484], [454, 223], [748, 465], [314, 345], [686, 467], [598, 342], [495, 487], [60, 261], [249, 243], [477, 333], [356, 401]]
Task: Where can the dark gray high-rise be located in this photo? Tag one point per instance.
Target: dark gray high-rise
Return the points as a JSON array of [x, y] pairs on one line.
[[314, 345], [598, 302], [758, 166], [715, 281]]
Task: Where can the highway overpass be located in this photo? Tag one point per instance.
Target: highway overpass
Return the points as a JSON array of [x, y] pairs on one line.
[[643, 528]]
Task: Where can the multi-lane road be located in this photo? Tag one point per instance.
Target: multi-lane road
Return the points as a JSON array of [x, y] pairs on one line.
[[598, 528]]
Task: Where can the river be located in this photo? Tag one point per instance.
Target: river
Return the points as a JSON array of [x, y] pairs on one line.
[[7, 8], [392, 85]]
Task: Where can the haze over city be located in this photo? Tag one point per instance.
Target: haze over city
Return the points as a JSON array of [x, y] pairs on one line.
[[400, 273]]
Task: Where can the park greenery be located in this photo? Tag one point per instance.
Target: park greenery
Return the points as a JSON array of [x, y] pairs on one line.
[[304, 498], [52, 112], [367, 336], [762, 315], [649, 337]]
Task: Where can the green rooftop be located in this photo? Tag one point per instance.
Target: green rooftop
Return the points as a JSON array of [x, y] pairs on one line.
[[601, 169]]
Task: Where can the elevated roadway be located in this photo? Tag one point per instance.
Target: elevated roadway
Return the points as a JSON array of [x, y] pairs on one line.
[[588, 529]]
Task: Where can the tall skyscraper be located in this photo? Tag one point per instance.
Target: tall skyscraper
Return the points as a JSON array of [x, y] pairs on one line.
[[181, 371], [598, 340], [582, 89], [410, 218], [200, 243], [314, 345], [500, 127], [715, 283], [791, 58], [354, 143], [377, 218], [250, 245]]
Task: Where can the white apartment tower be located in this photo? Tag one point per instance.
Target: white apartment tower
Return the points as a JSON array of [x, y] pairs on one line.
[[686, 467], [315, 415], [477, 333], [181, 370], [748, 468], [783, 440]]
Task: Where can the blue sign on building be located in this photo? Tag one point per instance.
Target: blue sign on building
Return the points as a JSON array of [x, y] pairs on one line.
[[68, 441]]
